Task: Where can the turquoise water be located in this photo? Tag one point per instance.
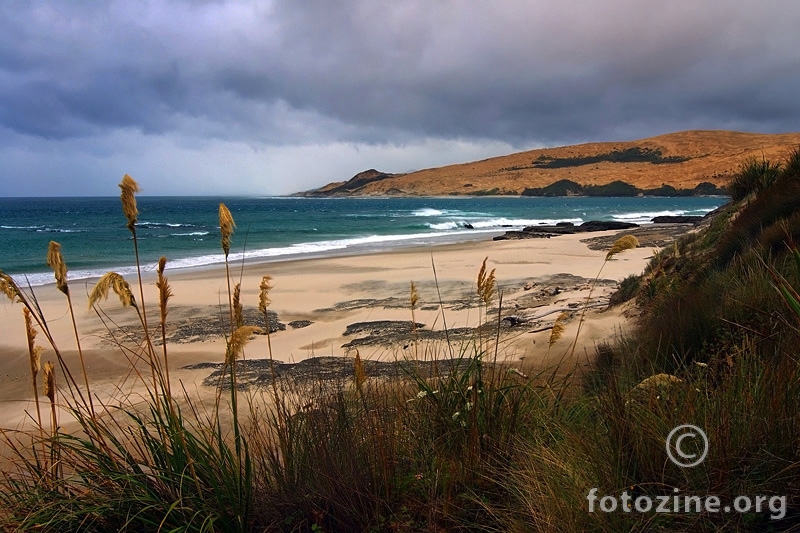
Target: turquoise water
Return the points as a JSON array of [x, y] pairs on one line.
[[94, 238]]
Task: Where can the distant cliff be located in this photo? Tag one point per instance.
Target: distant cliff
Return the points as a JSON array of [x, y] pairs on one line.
[[684, 163]]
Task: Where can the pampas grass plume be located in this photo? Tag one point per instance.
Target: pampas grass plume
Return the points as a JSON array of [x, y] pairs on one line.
[[238, 310], [226, 225], [359, 370], [486, 283], [49, 381], [237, 342], [30, 332], [56, 261], [164, 290], [8, 287], [115, 282], [558, 329], [414, 295], [263, 297], [620, 245], [129, 186]]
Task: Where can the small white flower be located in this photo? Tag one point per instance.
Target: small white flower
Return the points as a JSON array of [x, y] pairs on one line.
[[468, 406], [456, 415], [421, 394]]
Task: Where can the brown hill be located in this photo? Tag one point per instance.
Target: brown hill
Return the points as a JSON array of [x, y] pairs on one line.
[[682, 160]]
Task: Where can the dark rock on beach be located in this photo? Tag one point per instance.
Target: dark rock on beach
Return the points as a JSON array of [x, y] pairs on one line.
[[605, 225], [564, 228], [383, 327], [255, 317], [684, 219], [517, 235], [319, 370]]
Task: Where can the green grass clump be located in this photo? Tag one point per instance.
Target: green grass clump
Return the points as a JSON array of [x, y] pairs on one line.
[[753, 176], [628, 288]]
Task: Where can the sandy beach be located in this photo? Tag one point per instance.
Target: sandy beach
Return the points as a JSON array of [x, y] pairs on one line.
[[331, 306]]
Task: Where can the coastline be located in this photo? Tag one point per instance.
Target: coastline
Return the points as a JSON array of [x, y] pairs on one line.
[[94, 241], [538, 278]]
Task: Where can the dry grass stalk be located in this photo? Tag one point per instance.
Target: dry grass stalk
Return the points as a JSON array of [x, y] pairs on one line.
[[620, 245], [226, 225], [486, 283], [8, 287], [263, 302], [56, 261], [414, 300], [50, 391], [115, 282], [558, 329], [164, 294], [359, 371], [263, 297], [238, 341], [129, 186], [164, 290], [34, 354], [626, 242], [238, 310]]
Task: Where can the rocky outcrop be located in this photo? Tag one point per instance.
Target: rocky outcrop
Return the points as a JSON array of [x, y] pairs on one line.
[[564, 228], [677, 219]]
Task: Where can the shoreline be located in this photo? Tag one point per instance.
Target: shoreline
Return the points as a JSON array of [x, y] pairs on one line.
[[328, 299], [439, 242], [301, 231]]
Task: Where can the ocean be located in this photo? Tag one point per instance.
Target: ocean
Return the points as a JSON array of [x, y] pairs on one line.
[[94, 237]]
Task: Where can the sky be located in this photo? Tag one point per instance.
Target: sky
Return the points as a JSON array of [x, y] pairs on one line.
[[214, 97]]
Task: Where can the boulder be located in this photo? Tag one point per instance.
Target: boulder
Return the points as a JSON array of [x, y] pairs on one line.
[[676, 219]]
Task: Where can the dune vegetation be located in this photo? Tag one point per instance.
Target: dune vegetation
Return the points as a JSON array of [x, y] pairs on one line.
[[471, 445]]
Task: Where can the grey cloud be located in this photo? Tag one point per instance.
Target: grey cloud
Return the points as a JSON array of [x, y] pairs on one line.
[[359, 71]]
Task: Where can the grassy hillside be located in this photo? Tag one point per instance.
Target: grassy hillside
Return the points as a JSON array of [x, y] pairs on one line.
[[681, 160]]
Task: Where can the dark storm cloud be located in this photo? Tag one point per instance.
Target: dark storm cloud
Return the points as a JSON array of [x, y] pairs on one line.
[[318, 73], [449, 69]]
